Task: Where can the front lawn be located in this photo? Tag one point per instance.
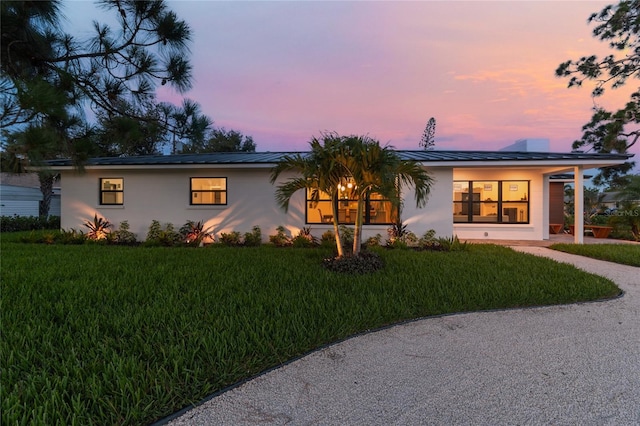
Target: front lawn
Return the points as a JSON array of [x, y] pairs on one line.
[[128, 335], [626, 254]]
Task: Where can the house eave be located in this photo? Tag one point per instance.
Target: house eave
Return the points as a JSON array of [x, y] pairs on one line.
[[263, 160]]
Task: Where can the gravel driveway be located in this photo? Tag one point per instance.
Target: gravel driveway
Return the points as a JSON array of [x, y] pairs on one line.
[[563, 365]]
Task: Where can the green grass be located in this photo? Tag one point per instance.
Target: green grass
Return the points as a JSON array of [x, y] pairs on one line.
[[626, 254], [127, 335]]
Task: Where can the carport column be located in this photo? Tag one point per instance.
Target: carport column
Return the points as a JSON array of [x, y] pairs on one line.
[[578, 207]]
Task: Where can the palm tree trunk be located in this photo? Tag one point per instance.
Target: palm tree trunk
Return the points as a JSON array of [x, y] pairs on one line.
[[357, 233], [336, 227], [46, 187]]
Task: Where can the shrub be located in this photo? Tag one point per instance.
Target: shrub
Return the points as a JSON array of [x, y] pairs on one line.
[[253, 238], [304, 239], [626, 222], [346, 234], [328, 239], [429, 242], [153, 234], [28, 223], [194, 234], [98, 228], [72, 236], [123, 235], [453, 244], [48, 238], [396, 232], [232, 239], [374, 241], [400, 237], [280, 239], [158, 236], [363, 263]]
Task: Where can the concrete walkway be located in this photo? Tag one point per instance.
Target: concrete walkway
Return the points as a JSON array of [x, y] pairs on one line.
[[563, 365]]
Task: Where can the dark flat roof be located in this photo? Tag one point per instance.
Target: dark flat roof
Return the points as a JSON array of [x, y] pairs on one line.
[[274, 157]]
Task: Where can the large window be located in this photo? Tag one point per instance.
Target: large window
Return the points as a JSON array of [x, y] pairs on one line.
[[492, 201], [209, 191], [377, 210], [111, 191]]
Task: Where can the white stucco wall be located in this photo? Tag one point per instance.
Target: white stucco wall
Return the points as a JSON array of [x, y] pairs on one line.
[[436, 214], [536, 229], [163, 195]]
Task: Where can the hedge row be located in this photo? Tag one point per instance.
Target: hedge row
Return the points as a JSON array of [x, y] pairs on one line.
[[28, 223]]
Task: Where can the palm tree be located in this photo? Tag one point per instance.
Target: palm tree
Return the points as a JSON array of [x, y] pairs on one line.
[[377, 169], [369, 167], [320, 171]]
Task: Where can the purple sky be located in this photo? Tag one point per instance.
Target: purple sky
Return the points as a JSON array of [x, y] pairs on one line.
[[285, 71]]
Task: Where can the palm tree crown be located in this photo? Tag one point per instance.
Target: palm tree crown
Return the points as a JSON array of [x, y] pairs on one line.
[[370, 167]]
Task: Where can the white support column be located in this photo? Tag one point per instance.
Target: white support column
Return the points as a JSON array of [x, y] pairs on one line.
[[578, 182]]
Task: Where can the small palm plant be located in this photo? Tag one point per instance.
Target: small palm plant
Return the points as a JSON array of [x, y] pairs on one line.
[[194, 233], [98, 227]]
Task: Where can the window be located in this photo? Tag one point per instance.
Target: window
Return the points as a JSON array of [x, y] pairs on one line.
[[209, 191], [491, 201], [377, 210], [111, 191]]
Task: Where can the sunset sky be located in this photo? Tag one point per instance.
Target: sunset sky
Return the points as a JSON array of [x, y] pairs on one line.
[[285, 71]]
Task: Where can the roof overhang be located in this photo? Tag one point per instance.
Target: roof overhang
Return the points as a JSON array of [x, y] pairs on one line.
[[549, 163]]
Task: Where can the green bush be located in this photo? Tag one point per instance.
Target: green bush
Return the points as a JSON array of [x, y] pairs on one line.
[[253, 238], [328, 239], [71, 236], [28, 223], [453, 244], [280, 239], [159, 236], [231, 239], [123, 236], [304, 239], [374, 241], [346, 234]]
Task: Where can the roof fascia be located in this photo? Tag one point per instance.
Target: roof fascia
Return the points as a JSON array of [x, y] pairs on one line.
[[561, 164], [168, 166]]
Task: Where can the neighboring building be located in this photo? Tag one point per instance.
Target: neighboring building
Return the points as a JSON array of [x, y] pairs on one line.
[[476, 194], [20, 195]]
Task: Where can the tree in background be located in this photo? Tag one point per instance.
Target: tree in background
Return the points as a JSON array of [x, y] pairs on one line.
[[611, 131], [113, 65], [222, 140], [124, 135], [190, 126], [48, 79], [36, 139], [428, 137]]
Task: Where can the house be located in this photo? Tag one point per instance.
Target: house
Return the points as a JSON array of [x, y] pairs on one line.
[[20, 195], [476, 194]]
